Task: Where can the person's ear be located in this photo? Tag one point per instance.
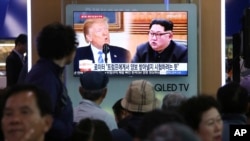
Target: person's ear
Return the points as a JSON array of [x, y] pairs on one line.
[[104, 93], [81, 90], [48, 120], [171, 35], [88, 37], [124, 113]]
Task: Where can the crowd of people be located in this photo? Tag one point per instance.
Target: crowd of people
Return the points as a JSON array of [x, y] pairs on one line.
[[29, 113], [40, 109]]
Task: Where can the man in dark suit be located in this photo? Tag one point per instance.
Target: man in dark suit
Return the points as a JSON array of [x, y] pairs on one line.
[[96, 32], [15, 60], [161, 47]]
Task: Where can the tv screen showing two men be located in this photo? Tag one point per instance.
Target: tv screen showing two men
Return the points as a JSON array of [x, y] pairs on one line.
[[131, 43]]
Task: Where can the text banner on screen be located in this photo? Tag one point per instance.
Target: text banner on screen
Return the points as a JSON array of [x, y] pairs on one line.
[[138, 68]]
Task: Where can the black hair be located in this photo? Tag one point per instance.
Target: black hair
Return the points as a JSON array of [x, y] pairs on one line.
[[21, 38], [56, 41], [156, 118], [92, 94], [167, 24], [42, 97], [94, 129], [233, 98], [193, 108], [117, 108]]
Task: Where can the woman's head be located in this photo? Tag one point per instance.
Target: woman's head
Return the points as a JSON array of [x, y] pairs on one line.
[[202, 115]]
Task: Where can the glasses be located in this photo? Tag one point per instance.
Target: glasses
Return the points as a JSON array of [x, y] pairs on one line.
[[157, 35]]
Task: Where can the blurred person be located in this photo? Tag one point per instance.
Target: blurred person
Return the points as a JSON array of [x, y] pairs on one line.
[[140, 99], [56, 45], [201, 113], [173, 132], [91, 130], [26, 113], [120, 135], [172, 101], [160, 46], [93, 91], [119, 111], [154, 119], [96, 33], [233, 99], [245, 82], [2, 93], [15, 60], [24, 71]]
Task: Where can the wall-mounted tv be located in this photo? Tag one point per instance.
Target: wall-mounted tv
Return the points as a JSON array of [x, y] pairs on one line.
[[127, 31]]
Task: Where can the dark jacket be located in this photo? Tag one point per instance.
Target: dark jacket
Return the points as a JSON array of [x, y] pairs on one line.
[[14, 66], [231, 119], [131, 124], [47, 75], [118, 55], [174, 53]]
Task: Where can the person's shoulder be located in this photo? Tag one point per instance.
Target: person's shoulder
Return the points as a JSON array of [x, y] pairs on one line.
[[180, 46], [145, 44], [12, 56], [117, 48], [83, 48]]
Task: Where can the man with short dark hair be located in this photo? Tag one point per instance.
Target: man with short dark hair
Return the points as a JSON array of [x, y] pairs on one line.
[[160, 46], [56, 46], [93, 90], [233, 99], [15, 60], [26, 113]]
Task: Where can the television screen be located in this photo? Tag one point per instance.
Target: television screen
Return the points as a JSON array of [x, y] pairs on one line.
[[129, 45]]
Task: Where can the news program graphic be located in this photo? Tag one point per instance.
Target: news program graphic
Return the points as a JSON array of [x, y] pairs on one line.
[[134, 68], [239, 132], [128, 30]]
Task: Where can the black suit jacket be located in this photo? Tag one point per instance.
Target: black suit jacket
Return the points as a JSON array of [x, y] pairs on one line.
[[174, 53], [118, 55], [13, 68]]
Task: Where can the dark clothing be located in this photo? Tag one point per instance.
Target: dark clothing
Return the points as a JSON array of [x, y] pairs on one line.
[[120, 135], [24, 71], [174, 53], [131, 124], [229, 119], [48, 75], [118, 55], [14, 65]]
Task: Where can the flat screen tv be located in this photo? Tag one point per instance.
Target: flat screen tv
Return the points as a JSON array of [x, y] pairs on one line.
[[128, 30]]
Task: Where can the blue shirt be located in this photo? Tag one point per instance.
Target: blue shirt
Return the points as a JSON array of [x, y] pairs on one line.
[[89, 109]]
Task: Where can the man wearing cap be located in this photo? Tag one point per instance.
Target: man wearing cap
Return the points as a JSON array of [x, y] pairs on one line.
[[93, 90]]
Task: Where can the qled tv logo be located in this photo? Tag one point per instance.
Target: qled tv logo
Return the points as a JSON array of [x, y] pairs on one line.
[[239, 132]]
